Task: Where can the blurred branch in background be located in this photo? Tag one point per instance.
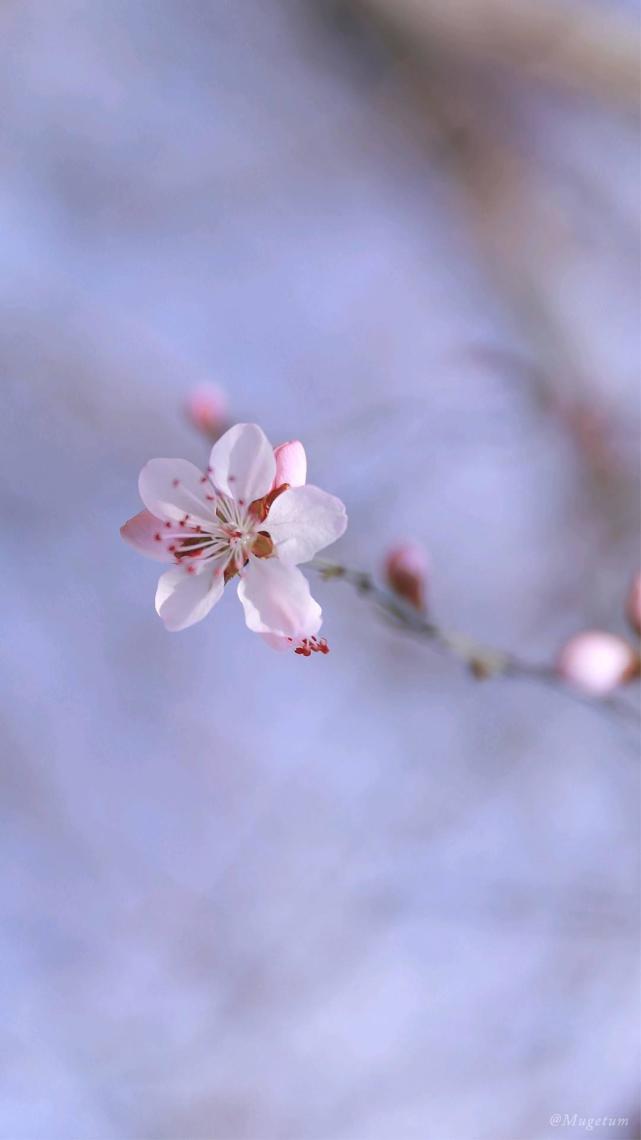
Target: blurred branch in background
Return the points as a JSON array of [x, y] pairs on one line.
[[578, 46], [447, 55]]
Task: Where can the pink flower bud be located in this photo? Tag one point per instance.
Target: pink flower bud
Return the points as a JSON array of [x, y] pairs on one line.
[[633, 605], [406, 569], [291, 464], [597, 662], [206, 408]]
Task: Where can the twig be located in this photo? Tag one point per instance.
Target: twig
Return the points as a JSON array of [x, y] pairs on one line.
[[578, 46], [525, 235], [482, 661]]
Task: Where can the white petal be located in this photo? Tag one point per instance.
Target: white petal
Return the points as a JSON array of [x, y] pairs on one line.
[[242, 463], [277, 600], [303, 521], [145, 533], [183, 598], [173, 488], [291, 464]]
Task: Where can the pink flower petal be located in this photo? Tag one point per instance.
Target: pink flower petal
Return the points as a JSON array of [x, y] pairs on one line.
[[174, 488], [276, 599], [184, 597], [291, 464], [303, 521], [144, 533], [242, 463]]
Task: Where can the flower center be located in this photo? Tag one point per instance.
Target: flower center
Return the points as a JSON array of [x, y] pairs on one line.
[[230, 535], [234, 534]]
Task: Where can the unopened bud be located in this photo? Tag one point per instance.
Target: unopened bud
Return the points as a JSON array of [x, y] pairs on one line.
[[406, 570], [633, 605], [206, 408], [598, 662], [291, 464]]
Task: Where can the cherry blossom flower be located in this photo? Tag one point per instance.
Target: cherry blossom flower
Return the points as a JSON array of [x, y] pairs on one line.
[[250, 515], [597, 662]]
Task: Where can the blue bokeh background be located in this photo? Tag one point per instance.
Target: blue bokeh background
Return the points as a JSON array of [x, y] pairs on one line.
[[358, 897]]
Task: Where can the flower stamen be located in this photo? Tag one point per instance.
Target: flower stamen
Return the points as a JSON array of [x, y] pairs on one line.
[[310, 645]]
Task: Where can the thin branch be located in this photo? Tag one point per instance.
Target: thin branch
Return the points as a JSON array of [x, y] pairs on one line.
[[578, 46], [482, 661], [525, 235]]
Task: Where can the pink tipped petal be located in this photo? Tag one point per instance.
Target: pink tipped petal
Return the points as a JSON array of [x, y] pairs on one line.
[[276, 599], [183, 598], [144, 533], [242, 463], [291, 464], [303, 521], [174, 488]]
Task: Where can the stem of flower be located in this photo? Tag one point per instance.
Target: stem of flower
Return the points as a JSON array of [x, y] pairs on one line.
[[482, 661]]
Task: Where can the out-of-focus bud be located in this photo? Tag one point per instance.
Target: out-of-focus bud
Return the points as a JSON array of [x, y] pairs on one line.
[[598, 662], [406, 570], [633, 604], [206, 408], [291, 464]]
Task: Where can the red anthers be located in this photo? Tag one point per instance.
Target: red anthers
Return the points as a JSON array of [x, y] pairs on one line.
[[310, 645]]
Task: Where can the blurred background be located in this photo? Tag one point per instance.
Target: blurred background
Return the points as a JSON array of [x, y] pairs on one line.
[[361, 897]]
